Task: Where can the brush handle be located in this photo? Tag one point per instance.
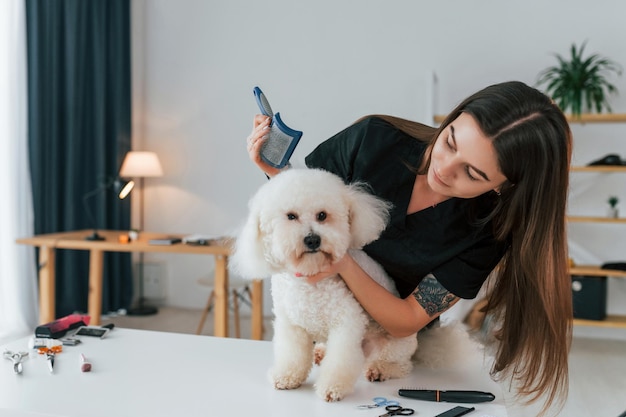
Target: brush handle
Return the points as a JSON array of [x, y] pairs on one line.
[[467, 396], [471, 397], [262, 102]]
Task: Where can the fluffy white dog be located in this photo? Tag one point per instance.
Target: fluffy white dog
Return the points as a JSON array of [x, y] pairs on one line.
[[300, 222]]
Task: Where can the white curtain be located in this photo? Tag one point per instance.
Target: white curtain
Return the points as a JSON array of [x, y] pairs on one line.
[[18, 285]]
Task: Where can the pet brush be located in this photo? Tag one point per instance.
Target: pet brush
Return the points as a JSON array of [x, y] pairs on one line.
[[282, 140]]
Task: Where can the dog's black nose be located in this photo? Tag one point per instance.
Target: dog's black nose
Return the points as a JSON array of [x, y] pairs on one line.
[[312, 241]]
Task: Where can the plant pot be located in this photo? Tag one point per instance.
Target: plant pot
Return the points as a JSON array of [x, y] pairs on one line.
[[612, 212]]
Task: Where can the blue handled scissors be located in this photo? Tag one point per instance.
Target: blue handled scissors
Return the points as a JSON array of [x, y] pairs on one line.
[[396, 410], [379, 402]]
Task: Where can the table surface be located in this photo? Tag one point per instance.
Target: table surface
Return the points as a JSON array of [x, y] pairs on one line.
[[144, 373], [76, 240], [219, 248]]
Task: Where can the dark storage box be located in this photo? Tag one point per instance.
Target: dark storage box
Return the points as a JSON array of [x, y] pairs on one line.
[[589, 297]]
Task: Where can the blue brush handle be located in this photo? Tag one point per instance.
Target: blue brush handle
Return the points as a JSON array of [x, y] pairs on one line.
[[261, 100]]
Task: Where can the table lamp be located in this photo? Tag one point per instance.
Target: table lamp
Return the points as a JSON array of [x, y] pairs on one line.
[[141, 164], [122, 189]]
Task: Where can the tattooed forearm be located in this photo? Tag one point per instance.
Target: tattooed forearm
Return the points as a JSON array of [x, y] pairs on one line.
[[432, 296]]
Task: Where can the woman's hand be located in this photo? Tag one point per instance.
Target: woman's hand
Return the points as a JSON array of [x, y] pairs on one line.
[[314, 279], [255, 141], [333, 269]]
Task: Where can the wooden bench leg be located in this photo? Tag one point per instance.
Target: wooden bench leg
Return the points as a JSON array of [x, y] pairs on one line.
[[205, 312], [236, 314]]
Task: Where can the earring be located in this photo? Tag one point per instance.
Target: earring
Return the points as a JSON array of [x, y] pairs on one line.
[[498, 192]]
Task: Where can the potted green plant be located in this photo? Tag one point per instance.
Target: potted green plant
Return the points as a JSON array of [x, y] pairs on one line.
[[613, 211], [580, 84]]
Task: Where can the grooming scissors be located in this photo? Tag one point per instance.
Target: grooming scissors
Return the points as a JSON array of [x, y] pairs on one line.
[[397, 410], [378, 402], [17, 358]]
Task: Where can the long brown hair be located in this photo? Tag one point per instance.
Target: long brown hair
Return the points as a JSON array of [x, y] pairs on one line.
[[531, 297]]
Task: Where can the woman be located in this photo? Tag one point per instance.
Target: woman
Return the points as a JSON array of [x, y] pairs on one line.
[[487, 188]]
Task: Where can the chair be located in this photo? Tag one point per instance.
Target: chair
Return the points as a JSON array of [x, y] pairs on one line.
[[239, 291]]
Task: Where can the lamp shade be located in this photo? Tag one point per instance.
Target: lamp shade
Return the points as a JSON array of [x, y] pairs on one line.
[[141, 164]]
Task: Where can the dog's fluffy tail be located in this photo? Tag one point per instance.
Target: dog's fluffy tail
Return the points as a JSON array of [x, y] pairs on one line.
[[447, 346]]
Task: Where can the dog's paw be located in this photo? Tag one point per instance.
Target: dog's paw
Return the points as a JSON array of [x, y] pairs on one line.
[[286, 384], [332, 393], [319, 351], [287, 380], [333, 396], [381, 371], [374, 374], [334, 386]]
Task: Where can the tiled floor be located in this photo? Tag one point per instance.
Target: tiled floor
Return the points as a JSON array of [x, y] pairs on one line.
[[597, 366]]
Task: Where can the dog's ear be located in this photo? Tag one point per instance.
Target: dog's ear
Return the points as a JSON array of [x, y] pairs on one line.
[[248, 258], [368, 215]]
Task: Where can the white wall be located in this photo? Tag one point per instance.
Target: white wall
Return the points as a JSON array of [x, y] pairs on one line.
[[323, 64]]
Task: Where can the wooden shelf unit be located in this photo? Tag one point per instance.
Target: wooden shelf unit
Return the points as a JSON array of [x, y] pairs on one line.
[[611, 320], [596, 219], [596, 271], [582, 119], [597, 118]]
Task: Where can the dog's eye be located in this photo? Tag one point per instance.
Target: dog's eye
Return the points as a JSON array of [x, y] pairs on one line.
[[292, 216], [321, 216]]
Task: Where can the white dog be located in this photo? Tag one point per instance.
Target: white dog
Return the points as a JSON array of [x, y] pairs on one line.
[[300, 222]]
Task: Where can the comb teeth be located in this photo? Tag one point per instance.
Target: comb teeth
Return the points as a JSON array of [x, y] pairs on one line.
[[420, 394]]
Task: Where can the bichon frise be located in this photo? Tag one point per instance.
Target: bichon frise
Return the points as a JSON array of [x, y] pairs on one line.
[[300, 222]]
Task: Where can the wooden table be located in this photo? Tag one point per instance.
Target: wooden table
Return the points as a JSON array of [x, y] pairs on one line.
[[75, 240]]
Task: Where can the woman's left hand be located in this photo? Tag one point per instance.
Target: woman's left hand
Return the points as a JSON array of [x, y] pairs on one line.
[[333, 270]]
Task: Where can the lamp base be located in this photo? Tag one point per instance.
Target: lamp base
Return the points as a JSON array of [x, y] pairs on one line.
[[95, 236], [142, 310]]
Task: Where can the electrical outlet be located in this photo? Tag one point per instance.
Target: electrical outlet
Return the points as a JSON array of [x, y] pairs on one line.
[[154, 281]]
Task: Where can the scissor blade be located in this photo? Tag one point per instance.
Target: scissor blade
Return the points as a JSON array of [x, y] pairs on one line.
[[51, 362]]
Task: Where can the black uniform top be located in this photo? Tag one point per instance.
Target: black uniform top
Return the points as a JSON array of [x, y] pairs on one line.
[[445, 240]]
